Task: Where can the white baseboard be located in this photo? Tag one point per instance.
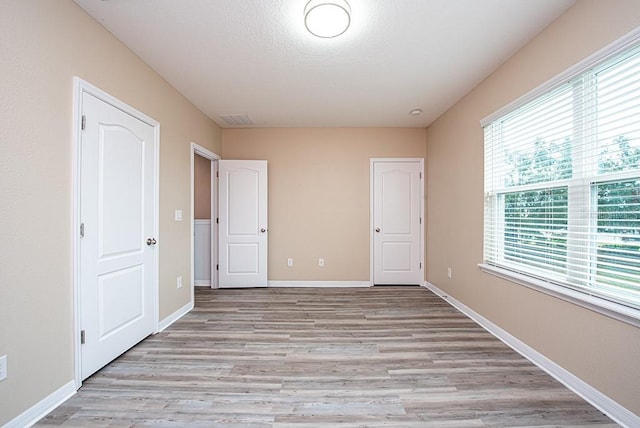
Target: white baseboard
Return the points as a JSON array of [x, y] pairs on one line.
[[43, 407], [319, 284], [175, 316], [202, 283], [606, 405], [62, 394]]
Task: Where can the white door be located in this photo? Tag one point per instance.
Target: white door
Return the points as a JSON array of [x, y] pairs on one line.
[[117, 244], [397, 221], [243, 228]]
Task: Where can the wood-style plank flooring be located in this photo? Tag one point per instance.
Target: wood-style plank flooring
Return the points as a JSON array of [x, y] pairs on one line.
[[295, 357]]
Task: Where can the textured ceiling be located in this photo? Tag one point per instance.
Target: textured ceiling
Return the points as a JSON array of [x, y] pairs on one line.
[[255, 57]]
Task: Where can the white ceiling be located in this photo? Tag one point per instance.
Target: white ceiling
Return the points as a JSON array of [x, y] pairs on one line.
[[255, 57]]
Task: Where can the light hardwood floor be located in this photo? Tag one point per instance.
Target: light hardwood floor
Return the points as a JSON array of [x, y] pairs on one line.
[[281, 357]]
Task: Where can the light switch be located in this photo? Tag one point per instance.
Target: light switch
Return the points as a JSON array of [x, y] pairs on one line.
[[178, 215]]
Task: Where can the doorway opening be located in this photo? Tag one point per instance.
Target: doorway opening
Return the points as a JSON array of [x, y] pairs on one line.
[[204, 209]]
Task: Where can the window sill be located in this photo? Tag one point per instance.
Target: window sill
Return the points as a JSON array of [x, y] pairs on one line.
[[613, 310]]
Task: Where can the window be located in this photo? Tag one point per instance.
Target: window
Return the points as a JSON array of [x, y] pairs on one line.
[[562, 184]]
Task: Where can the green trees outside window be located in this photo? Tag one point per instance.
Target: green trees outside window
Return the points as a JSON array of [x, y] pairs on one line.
[[536, 221]]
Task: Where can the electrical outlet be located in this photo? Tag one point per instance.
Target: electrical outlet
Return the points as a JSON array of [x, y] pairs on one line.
[[179, 282], [289, 262], [321, 262], [449, 273], [3, 367]]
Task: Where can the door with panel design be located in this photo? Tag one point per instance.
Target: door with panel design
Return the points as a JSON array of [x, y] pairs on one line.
[[117, 243], [243, 228], [397, 196]]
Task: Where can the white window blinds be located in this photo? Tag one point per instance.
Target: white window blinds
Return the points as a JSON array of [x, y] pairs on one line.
[[562, 184]]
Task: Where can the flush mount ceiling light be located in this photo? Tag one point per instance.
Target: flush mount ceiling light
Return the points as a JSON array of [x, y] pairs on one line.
[[327, 18], [416, 112]]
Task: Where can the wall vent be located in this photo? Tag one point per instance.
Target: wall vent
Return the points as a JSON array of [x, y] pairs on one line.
[[237, 119]]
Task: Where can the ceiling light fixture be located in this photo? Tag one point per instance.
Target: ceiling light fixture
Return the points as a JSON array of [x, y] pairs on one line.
[[327, 18], [416, 112]]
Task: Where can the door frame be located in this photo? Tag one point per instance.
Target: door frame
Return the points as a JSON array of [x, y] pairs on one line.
[[79, 88], [372, 226], [197, 149]]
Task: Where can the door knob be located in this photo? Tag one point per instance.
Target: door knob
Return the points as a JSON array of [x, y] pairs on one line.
[[377, 229], [151, 241], [263, 230]]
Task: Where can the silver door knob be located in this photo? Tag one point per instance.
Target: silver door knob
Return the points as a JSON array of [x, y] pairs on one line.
[[263, 230], [377, 229], [151, 241]]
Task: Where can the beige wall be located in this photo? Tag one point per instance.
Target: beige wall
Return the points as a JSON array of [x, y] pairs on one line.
[[202, 187], [601, 351], [319, 194], [43, 44]]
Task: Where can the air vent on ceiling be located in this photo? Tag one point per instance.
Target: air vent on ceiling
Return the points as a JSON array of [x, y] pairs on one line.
[[237, 119]]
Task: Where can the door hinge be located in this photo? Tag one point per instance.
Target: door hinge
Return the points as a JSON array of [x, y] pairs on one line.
[[217, 174], [82, 337], [420, 265], [420, 176], [84, 122], [217, 220], [82, 230], [217, 267], [420, 220]]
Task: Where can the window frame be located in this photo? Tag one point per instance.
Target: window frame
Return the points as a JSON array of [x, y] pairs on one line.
[[580, 186]]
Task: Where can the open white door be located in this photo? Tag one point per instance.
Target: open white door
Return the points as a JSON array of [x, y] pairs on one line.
[[397, 221], [117, 232], [243, 228]]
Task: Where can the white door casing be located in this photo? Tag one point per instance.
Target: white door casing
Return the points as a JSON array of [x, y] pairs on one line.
[[215, 230], [397, 229], [118, 213], [243, 227]]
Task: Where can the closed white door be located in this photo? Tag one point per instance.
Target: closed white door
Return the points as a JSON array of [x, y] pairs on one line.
[[117, 244], [397, 221], [243, 228]]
